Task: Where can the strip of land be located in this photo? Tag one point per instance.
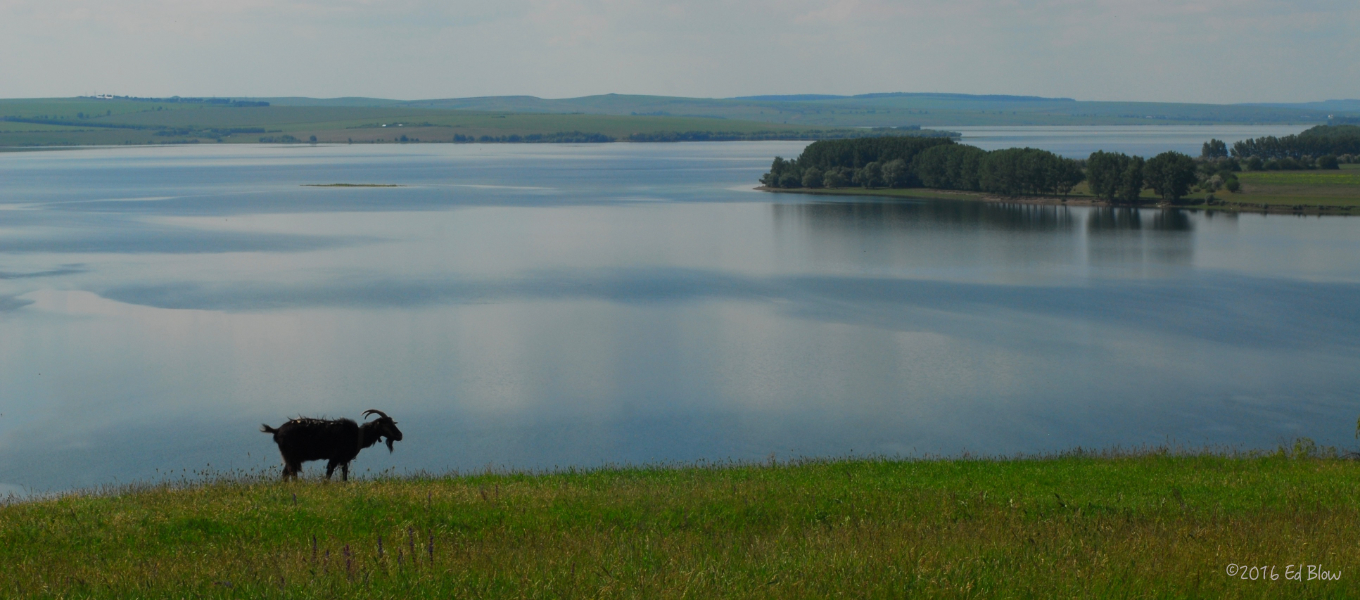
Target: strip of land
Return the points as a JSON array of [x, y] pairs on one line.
[[886, 110], [115, 122], [1148, 524]]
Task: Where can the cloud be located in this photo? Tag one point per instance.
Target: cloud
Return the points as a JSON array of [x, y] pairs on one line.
[[1165, 50]]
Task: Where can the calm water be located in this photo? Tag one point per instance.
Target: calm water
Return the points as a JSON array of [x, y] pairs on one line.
[[539, 306]]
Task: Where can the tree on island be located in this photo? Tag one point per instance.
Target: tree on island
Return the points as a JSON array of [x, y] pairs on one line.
[[869, 175], [777, 169], [1027, 171], [835, 178], [895, 173], [1115, 177], [935, 163], [812, 178], [1064, 174], [1170, 174], [1214, 149]]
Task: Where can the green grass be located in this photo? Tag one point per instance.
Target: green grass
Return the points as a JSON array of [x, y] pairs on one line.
[[67, 122], [880, 110], [360, 120], [1149, 525], [1314, 190]]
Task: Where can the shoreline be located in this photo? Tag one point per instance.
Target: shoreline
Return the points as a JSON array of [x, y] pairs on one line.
[[957, 195]]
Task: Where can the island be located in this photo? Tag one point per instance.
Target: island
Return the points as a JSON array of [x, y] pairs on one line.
[[1314, 172]]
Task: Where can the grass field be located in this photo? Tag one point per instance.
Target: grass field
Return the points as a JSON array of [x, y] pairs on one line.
[[1143, 525], [361, 120], [879, 110], [67, 122], [1322, 188]]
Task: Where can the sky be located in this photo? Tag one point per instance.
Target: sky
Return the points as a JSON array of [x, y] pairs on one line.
[[1213, 51]]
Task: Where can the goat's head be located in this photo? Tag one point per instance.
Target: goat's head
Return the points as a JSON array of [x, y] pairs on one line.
[[386, 427]]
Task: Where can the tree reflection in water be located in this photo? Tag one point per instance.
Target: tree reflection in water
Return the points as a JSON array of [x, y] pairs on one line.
[[928, 214], [1130, 235]]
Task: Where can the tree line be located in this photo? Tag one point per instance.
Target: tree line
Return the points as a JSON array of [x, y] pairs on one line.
[[902, 162], [944, 164], [1314, 143]]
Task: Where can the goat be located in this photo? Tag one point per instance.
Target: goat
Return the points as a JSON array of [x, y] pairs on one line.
[[335, 440]]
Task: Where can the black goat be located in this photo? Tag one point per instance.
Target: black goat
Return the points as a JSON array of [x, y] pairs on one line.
[[337, 441]]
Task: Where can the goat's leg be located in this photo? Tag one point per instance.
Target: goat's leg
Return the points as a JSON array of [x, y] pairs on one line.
[[344, 472], [330, 468]]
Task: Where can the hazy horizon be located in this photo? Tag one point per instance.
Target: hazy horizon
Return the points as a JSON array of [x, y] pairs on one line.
[[791, 97], [1200, 51]]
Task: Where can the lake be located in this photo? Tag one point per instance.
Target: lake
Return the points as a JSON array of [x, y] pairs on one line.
[[541, 306]]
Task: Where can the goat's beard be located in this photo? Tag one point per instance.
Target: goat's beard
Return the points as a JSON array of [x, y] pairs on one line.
[[389, 445]]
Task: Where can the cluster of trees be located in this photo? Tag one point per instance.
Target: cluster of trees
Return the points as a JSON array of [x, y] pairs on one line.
[[213, 132], [178, 100], [1287, 153], [1293, 164], [1170, 175], [1322, 140], [943, 164], [557, 137], [1115, 177], [940, 163], [1213, 150]]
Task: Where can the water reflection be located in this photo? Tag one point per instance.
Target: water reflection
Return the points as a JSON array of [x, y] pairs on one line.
[[1113, 219], [910, 214], [1120, 235], [552, 317]]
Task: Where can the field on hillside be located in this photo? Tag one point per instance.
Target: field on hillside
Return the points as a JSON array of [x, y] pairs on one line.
[[1329, 188], [1150, 524], [64, 122], [87, 121], [873, 110]]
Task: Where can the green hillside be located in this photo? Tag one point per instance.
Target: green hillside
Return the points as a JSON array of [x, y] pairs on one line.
[[84, 121], [882, 110], [1143, 525], [609, 117]]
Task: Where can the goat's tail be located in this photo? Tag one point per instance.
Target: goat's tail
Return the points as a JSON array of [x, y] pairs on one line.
[[267, 429]]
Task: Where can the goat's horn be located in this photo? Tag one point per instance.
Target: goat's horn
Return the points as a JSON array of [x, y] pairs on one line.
[[378, 412]]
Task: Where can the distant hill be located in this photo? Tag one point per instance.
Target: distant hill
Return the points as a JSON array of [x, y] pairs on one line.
[[957, 97], [607, 117], [105, 120], [1325, 105], [878, 110]]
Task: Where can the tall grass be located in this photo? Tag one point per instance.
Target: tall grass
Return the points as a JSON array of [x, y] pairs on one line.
[[1119, 525]]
